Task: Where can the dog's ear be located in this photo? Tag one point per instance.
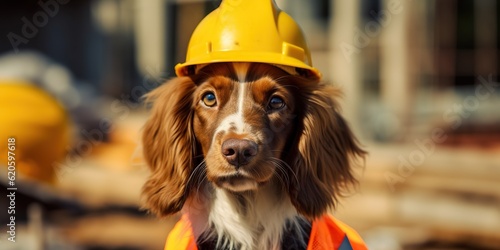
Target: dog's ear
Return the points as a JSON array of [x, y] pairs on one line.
[[324, 153], [168, 146]]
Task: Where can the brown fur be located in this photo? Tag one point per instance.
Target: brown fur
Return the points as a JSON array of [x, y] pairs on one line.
[[310, 136], [169, 146]]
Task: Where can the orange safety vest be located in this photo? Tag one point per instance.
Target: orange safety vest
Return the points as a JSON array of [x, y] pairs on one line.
[[327, 233]]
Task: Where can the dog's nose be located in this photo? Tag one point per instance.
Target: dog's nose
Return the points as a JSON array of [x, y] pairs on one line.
[[239, 152]]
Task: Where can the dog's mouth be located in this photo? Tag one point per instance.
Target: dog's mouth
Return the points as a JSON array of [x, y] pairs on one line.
[[237, 183]]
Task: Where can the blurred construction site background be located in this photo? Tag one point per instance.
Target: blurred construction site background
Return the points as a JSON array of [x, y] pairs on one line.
[[421, 91]]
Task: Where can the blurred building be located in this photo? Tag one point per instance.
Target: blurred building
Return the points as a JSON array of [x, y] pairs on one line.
[[421, 90]]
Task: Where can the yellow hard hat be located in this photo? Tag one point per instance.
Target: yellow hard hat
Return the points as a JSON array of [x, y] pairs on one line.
[[39, 126], [248, 31]]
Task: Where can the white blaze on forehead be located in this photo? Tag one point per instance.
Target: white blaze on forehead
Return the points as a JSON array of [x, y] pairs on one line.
[[235, 120], [241, 99]]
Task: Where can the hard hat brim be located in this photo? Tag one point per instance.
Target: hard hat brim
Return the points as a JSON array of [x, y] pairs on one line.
[[181, 69]]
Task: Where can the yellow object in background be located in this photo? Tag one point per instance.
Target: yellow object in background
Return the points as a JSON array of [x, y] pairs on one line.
[[40, 126]]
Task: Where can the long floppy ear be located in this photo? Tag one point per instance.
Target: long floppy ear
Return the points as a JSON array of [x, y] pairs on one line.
[[168, 146], [324, 152]]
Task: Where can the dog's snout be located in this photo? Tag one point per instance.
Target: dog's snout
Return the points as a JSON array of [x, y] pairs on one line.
[[239, 152]]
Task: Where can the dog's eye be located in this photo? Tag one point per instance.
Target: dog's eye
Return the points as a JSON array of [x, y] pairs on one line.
[[276, 103], [209, 99]]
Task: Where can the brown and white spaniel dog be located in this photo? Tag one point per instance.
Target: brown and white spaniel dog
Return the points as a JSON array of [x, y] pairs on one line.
[[251, 153]]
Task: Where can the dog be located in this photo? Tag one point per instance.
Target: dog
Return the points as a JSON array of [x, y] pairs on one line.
[[250, 153]]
